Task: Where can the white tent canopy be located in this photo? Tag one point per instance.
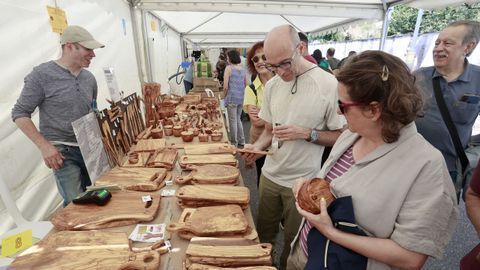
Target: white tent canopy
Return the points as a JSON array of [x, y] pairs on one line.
[[239, 23]]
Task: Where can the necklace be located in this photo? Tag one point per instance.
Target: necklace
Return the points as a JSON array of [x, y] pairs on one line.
[[293, 91]]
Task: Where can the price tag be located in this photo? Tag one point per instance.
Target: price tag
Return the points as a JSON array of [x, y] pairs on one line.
[[168, 193], [147, 198], [15, 243]]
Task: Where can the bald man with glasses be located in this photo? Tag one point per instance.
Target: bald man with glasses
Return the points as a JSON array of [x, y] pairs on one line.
[[299, 110]]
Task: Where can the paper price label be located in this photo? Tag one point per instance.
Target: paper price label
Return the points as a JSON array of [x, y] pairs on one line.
[[16, 243], [168, 193]]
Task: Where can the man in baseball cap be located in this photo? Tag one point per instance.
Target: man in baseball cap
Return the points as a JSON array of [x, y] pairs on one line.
[[64, 91]]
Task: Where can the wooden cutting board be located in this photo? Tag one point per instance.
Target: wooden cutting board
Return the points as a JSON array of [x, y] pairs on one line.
[[228, 253], [139, 179], [197, 266], [224, 159], [85, 250], [210, 174], [124, 208], [210, 148], [211, 221], [209, 195], [164, 158], [149, 145]]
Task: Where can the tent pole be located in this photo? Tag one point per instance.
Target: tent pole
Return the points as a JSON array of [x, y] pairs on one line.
[[136, 37], [386, 23], [146, 46]]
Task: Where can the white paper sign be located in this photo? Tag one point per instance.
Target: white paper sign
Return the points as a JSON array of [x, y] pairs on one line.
[[115, 94], [89, 138]]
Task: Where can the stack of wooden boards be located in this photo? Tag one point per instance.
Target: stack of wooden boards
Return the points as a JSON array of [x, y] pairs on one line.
[[213, 254]]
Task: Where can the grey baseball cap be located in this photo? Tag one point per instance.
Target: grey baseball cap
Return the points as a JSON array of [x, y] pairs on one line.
[[78, 34]]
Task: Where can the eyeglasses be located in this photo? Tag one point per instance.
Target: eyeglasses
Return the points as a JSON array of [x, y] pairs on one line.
[[285, 64], [256, 58], [342, 105]]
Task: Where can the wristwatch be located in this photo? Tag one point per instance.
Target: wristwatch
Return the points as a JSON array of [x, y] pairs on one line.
[[313, 136]]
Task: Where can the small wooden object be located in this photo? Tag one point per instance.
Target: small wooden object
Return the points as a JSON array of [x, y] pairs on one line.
[[164, 158]]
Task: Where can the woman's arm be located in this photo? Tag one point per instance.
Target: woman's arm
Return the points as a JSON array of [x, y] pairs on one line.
[[383, 250], [226, 77]]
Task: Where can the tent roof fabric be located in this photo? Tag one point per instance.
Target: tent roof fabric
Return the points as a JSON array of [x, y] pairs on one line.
[[237, 23]]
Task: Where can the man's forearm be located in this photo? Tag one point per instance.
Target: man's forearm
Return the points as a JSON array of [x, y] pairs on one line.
[[328, 137], [25, 124], [264, 140]]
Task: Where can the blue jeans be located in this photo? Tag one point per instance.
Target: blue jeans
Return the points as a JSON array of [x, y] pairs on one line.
[[236, 127], [72, 178]]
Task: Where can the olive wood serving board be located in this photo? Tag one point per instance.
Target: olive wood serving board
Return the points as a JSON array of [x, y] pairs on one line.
[[124, 208], [85, 250], [210, 148], [206, 195], [139, 179], [228, 253], [164, 158], [149, 145], [210, 174], [197, 266], [224, 159], [211, 221]]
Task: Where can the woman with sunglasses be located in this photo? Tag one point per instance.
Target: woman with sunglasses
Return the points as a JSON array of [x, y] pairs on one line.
[[395, 203], [254, 95], [234, 82]]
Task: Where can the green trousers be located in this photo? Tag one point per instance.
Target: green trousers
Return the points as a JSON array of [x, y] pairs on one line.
[[276, 203]]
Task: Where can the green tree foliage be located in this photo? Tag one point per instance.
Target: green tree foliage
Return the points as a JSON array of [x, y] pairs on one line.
[[404, 18]]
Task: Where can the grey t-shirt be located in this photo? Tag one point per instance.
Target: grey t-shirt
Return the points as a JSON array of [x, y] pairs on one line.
[[60, 96]]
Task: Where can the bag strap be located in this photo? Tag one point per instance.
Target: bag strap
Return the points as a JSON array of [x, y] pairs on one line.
[[449, 123], [253, 89]]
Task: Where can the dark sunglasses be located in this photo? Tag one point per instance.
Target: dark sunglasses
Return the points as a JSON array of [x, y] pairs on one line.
[[255, 59], [342, 105]]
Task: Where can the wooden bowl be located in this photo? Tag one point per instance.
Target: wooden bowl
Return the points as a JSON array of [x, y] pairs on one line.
[[177, 131], [187, 136], [216, 136], [168, 130], [133, 158], [310, 194], [203, 137], [157, 133]]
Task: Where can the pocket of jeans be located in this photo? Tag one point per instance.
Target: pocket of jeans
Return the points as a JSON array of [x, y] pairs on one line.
[[62, 148]]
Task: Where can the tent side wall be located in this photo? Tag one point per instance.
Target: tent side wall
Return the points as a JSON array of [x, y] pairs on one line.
[[28, 41]]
